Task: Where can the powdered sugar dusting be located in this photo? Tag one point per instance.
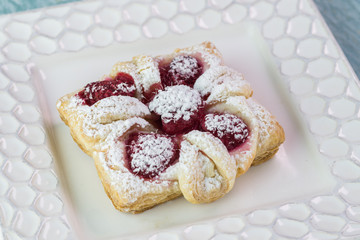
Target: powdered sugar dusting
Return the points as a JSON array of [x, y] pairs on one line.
[[265, 120], [122, 84], [125, 87], [176, 102], [150, 154], [129, 68], [208, 52], [126, 67], [186, 66], [198, 174], [130, 187], [112, 144], [212, 148], [147, 68], [206, 81], [213, 179], [210, 145], [220, 82], [118, 107], [226, 124], [95, 117]]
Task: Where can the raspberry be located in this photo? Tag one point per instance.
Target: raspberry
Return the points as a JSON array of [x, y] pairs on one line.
[[122, 84], [182, 70], [230, 129], [149, 154], [179, 108]]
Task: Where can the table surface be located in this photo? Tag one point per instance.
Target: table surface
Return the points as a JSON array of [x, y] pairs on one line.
[[343, 19], [341, 16]]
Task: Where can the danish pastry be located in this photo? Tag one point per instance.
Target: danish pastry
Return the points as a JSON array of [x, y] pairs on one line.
[[171, 125]]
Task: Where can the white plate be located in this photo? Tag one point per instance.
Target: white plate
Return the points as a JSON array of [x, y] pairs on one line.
[[297, 164], [309, 189]]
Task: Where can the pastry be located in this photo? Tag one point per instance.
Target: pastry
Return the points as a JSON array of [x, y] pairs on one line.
[[177, 124]]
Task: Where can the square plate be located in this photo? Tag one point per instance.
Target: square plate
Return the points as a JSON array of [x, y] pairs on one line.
[[296, 70], [243, 48]]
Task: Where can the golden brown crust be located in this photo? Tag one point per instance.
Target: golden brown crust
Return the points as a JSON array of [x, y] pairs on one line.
[[265, 156], [271, 134], [205, 49], [74, 123], [124, 203]]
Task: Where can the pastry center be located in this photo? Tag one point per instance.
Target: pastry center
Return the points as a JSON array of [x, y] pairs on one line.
[[182, 70], [149, 154], [122, 84], [230, 129], [179, 108]]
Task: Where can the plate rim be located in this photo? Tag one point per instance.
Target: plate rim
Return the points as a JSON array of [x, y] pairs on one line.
[[306, 13]]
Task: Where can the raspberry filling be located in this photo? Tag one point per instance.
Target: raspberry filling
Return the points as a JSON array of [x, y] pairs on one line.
[[122, 84], [182, 70], [230, 129], [149, 154], [180, 109], [151, 92]]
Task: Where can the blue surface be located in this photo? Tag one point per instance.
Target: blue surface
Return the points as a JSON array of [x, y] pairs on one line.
[[342, 17], [11, 6]]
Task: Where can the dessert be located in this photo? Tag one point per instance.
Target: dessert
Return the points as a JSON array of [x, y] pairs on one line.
[[171, 125]]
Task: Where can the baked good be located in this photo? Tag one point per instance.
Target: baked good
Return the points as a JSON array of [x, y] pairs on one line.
[[171, 125]]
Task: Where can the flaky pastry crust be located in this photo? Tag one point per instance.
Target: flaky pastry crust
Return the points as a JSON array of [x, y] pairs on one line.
[[205, 170]]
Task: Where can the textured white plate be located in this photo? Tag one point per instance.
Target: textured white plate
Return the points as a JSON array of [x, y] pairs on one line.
[[309, 190], [297, 164]]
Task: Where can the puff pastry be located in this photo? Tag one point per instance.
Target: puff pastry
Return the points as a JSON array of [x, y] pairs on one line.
[[177, 124]]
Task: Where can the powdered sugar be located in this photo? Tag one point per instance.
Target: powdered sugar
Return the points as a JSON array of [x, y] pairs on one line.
[[212, 147], [183, 69], [118, 107], [122, 84], [220, 82], [205, 82], [212, 180], [130, 187], [148, 72], [129, 68], [123, 87], [95, 118], [265, 120], [199, 177], [150, 154], [226, 124], [125, 67], [184, 65], [176, 102], [209, 151], [206, 51]]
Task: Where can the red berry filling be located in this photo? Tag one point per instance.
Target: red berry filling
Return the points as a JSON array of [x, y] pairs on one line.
[[230, 129], [149, 154], [180, 109], [151, 92], [122, 84], [182, 70]]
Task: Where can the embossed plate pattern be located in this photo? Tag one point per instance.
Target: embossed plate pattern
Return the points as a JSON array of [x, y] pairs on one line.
[[313, 71]]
